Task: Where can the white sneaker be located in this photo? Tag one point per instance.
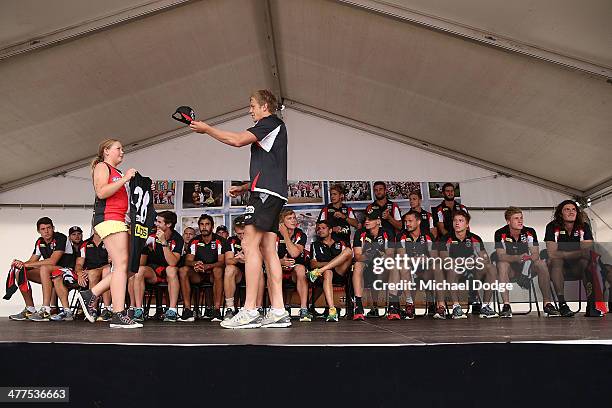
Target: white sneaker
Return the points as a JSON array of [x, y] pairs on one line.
[[273, 320], [242, 320]]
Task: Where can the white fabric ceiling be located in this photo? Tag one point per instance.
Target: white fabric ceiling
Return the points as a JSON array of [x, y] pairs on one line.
[[356, 60]]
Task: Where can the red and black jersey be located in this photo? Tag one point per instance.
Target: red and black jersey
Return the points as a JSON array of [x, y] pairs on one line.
[[208, 253], [444, 214], [59, 242], [155, 250], [95, 256], [567, 240], [298, 238], [422, 245], [368, 242], [114, 207], [393, 210], [427, 222], [327, 214], [321, 252], [470, 246], [234, 245], [504, 239]]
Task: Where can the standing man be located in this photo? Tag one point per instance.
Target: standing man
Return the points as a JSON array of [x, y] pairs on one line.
[[338, 215], [444, 212], [390, 212], [268, 186]]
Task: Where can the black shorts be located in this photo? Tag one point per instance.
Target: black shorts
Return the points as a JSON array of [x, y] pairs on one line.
[[263, 214]]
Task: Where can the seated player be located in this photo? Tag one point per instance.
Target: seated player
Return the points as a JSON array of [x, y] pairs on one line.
[[569, 242], [159, 262], [290, 244], [414, 243], [188, 234], [369, 243], [234, 270], [222, 231], [56, 251], [204, 262], [340, 216], [331, 259], [75, 234], [92, 264], [462, 244], [517, 245]]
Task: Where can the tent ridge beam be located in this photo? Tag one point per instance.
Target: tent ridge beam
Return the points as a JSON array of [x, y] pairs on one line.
[[478, 35]]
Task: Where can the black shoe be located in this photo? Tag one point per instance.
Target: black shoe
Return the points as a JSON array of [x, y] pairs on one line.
[[89, 304], [358, 314], [565, 311], [373, 312], [186, 316], [431, 309], [506, 311], [216, 315], [121, 320], [551, 311], [208, 312], [476, 308], [316, 315], [592, 311]]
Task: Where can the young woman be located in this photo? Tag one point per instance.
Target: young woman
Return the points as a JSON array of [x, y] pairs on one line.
[[110, 209]]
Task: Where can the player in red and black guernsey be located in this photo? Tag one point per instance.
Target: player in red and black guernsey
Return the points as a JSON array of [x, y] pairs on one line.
[[159, 263], [56, 251], [268, 186], [517, 251], [291, 242], [390, 213], [414, 243], [370, 242], [569, 242], [331, 259], [462, 244], [92, 264], [444, 212], [427, 225], [234, 269], [205, 261], [339, 216]]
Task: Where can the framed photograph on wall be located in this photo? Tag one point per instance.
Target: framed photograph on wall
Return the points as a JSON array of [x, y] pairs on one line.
[[400, 190], [164, 192], [242, 199], [435, 189], [355, 191], [307, 221], [304, 192], [203, 194]]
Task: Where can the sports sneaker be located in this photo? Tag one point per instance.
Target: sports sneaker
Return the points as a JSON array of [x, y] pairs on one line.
[[409, 311], [551, 310], [89, 304], [305, 315], [273, 320], [21, 316], [332, 315], [393, 313], [216, 315], [565, 311], [208, 312], [592, 311], [186, 316], [506, 312], [121, 320], [229, 313], [106, 315], [440, 313], [63, 315], [476, 308], [170, 316], [138, 314], [358, 314], [242, 320], [373, 312], [41, 316], [458, 313], [486, 312], [314, 274]]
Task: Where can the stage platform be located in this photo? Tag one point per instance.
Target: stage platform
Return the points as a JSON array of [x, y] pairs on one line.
[[523, 361]]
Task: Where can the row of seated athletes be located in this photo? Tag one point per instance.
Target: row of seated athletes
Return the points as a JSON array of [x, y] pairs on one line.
[[568, 240]]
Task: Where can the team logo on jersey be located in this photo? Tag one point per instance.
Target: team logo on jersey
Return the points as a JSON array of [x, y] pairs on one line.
[[213, 245], [141, 231], [116, 179]]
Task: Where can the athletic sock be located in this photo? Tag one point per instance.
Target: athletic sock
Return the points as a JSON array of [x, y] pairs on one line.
[[229, 302], [455, 305], [409, 299], [253, 312], [172, 308], [31, 309], [47, 309], [279, 312]]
